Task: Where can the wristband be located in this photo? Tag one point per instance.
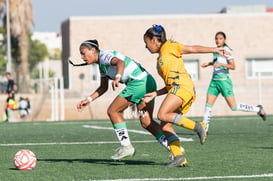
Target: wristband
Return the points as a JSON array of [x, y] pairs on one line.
[[89, 99], [118, 76]]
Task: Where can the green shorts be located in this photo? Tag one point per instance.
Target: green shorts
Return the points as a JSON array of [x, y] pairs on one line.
[[221, 86], [136, 89]]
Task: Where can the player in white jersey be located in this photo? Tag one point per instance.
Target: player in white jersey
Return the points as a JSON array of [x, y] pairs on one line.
[[138, 81], [221, 83]]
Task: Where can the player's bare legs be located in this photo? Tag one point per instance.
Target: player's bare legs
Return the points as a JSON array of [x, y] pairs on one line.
[[245, 107], [159, 131], [233, 106], [168, 113], [115, 113]]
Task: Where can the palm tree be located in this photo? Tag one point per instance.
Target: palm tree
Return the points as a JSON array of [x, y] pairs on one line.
[[20, 25]]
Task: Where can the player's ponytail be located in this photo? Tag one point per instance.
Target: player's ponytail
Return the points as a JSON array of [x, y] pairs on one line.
[[158, 31]]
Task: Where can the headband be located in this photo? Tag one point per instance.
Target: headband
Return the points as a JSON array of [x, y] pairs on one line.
[[90, 43]]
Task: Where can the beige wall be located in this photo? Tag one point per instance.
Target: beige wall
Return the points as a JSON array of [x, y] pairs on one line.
[[249, 35]]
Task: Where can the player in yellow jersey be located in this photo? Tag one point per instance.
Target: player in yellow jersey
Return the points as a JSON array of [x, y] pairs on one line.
[[178, 86]]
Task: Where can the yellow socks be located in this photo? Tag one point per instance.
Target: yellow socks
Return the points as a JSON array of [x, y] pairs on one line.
[[180, 120], [174, 144]]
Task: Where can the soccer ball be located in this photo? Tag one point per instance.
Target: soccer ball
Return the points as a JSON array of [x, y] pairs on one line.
[[25, 160]]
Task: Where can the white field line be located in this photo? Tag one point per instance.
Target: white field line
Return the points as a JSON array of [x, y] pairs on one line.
[[90, 142], [71, 143], [194, 178], [132, 131], [50, 123], [107, 121]]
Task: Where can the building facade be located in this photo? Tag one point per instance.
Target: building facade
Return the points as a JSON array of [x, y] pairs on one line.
[[248, 34]]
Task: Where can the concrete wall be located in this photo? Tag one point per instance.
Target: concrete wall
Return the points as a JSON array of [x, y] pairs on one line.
[[249, 35]]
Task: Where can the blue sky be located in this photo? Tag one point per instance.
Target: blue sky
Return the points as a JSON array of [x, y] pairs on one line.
[[49, 14]]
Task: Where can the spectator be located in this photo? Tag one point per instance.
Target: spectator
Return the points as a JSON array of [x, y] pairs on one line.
[[11, 86], [10, 106], [23, 107]]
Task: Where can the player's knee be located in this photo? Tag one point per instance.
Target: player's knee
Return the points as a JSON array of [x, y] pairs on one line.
[[161, 116], [110, 112]]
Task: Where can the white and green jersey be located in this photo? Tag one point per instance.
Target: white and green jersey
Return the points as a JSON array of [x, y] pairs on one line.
[[221, 73], [132, 69]]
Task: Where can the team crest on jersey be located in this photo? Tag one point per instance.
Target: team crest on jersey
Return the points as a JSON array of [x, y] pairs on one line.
[[161, 62]]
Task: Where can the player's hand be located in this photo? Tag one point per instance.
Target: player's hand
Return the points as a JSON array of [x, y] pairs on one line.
[[82, 104], [216, 65], [149, 96], [115, 83], [222, 51]]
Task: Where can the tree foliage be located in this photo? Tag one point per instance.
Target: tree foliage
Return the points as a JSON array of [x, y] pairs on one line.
[[20, 13], [37, 53]]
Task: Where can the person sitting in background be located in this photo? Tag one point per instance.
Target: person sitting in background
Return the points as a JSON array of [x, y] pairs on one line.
[[28, 105], [24, 107], [10, 106]]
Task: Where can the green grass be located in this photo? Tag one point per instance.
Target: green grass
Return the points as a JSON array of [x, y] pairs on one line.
[[235, 146]]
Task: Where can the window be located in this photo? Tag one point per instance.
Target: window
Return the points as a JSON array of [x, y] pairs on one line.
[[192, 67], [259, 67], [94, 73]]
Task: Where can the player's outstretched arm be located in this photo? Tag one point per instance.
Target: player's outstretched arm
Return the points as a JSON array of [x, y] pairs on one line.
[[100, 91], [187, 49]]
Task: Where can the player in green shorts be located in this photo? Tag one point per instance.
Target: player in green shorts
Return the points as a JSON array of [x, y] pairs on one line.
[[221, 83], [121, 69]]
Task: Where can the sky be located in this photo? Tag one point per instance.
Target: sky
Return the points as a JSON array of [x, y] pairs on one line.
[[49, 14]]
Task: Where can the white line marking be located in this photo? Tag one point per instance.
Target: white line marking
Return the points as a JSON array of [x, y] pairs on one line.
[[111, 128], [133, 131], [90, 142], [195, 178], [68, 122], [72, 143]]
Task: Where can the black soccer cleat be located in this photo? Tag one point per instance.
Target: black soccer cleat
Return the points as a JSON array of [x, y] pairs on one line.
[[261, 112]]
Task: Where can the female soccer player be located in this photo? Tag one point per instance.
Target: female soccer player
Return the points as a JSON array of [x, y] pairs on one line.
[[138, 81], [221, 83], [179, 87]]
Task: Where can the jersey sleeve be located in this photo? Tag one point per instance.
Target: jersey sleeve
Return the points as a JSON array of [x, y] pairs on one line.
[[176, 49], [106, 58], [230, 56]]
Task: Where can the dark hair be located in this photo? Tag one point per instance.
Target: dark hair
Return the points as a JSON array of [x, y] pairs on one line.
[[224, 35], [221, 33], [157, 31], [91, 44]]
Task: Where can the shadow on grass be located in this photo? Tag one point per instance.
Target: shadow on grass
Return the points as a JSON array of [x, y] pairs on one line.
[[263, 147], [104, 161]]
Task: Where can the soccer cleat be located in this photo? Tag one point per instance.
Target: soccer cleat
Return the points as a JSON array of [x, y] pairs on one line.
[[200, 129], [178, 161], [262, 113], [123, 152]]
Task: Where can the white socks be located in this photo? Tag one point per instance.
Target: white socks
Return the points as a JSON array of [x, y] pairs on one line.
[[246, 108]]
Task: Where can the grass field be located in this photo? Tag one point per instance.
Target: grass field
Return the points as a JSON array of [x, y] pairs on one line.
[[237, 148]]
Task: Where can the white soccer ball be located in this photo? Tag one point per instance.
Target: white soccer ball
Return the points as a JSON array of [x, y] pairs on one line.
[[25, 160]]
